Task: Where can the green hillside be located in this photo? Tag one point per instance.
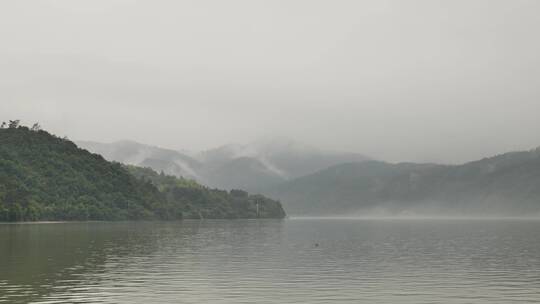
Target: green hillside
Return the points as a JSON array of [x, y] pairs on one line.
[[44, 177], [197, 201]]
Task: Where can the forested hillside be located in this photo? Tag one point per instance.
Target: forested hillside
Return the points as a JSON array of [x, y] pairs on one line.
[[507, 184], [44, 177], [197, 201]]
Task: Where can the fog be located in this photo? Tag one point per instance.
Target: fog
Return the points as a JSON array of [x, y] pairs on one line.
[[497, 209], [431, 81]]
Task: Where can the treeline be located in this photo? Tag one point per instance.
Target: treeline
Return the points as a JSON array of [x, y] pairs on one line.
[[197, 201], [45, 177]]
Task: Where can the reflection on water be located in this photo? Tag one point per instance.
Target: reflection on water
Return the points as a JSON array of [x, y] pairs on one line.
[[267, 261]]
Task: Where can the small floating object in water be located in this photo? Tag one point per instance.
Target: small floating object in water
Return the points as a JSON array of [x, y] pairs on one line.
[[316, 244]]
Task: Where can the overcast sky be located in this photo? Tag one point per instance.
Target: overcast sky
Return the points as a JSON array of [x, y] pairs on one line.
[[446, 81]]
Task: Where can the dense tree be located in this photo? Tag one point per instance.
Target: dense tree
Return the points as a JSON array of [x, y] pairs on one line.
[[14, 123], [36, 127], [197, 201]]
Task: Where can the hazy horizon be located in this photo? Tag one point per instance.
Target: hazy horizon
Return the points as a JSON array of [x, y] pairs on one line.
[[419, 81]]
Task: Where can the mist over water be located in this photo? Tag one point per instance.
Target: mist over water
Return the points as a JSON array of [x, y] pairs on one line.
[[272, 261], [432, 211]]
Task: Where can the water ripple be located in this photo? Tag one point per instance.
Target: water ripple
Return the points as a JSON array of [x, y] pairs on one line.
[[272, 262]]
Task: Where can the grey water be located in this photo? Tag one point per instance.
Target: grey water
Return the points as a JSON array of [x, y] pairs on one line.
[[272, 261]]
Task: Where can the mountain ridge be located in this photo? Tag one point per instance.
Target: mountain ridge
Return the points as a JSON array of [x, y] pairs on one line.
[[507, 183], [253, 167]]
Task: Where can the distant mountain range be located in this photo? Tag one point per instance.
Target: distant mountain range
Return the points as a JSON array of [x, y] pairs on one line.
[[171, 162], [309, 181], [508, 184], [252, 167]]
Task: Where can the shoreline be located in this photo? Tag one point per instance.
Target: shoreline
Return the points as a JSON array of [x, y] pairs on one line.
[[306, 218]]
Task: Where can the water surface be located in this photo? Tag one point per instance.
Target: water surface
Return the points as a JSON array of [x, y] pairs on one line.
[[272, 261]]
